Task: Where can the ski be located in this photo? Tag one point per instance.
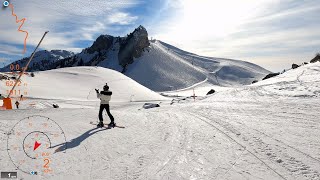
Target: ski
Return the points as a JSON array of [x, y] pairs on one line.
[[107, 125]]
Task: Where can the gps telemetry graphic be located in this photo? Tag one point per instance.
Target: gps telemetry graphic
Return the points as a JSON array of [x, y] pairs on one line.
[[30, 144], [162, 89], [19, 22], [6, 3]]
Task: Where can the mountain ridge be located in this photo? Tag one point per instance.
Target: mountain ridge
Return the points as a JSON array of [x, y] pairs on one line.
[[158, 65]]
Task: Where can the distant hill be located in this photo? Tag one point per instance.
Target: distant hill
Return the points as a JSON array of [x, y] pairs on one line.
[[43, 60]]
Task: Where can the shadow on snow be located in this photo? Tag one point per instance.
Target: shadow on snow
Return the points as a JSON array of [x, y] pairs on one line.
[[77, 141]]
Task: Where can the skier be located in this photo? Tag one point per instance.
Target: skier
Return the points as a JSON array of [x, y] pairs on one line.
[[105, 97], [17, 104]]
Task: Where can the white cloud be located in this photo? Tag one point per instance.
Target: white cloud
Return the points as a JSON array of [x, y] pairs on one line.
[[249, 29], [88, 32], [10, 49], [208, 18], [122, 18], [68, 21]]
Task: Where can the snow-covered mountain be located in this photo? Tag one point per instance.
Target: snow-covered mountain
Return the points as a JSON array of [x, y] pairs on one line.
[[160, 66], [42, 60]]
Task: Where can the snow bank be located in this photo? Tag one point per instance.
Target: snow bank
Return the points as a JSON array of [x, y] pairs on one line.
[[303, 81], [78, 83]]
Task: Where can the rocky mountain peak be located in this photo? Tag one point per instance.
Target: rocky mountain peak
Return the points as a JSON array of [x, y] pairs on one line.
[[133, 46], [103, 42]]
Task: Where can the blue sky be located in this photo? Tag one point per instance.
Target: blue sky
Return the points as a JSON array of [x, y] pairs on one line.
[[270, 33]]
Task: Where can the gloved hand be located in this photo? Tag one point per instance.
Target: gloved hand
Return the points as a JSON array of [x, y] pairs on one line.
[[97, 90]]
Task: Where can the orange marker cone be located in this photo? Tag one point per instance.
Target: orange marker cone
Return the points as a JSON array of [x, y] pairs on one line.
[[7, 103]]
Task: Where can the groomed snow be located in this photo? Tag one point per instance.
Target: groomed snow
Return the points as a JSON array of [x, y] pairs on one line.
[[268, 130]]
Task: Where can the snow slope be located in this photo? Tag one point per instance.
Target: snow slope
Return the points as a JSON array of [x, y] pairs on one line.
[[163, 67], [303, 81], [170, 68], [223, 72], [160, 70], [263, 131], [78, 83]]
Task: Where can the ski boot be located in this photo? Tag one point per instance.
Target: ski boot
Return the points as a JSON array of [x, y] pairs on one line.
[[100, 124], [112, 125]]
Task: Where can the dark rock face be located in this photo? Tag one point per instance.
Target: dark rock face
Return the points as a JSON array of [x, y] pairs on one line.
[[316, 59], [295, 66], [271, 75], [129, 47], [255, 81], [211, 92], [103, 42], [133, 46]]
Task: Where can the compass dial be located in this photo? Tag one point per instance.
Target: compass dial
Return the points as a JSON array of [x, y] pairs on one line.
[[31, 143]]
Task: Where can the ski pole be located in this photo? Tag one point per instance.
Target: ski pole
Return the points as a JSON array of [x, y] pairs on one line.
[[25, 68]]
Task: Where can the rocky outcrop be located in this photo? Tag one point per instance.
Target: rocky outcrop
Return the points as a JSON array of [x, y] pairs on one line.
[[295, 66], [103, 42], [271, 75], [132, 46], [211, 91], [129, 47], [316, 59]]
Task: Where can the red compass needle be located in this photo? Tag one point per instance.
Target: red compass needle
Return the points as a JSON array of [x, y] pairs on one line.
[[36, 145]]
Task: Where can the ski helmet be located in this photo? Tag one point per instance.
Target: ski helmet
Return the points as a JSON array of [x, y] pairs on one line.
[[106, 87]]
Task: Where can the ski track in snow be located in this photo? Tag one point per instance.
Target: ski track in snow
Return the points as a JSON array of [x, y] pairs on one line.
[[265, 131], [277, 151]]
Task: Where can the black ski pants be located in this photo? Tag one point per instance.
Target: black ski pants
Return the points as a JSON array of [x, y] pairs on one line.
[[107, 108]]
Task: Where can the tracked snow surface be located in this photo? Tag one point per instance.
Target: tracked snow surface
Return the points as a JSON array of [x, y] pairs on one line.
[[269, 130], [163, 67]]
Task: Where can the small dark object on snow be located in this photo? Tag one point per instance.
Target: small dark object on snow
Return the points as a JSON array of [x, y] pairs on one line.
[[17, 104], [270, 75], [32, 74], [305, 63], [55, 105], [150, 105], [255, 81], [295, 66], [211, 92]]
